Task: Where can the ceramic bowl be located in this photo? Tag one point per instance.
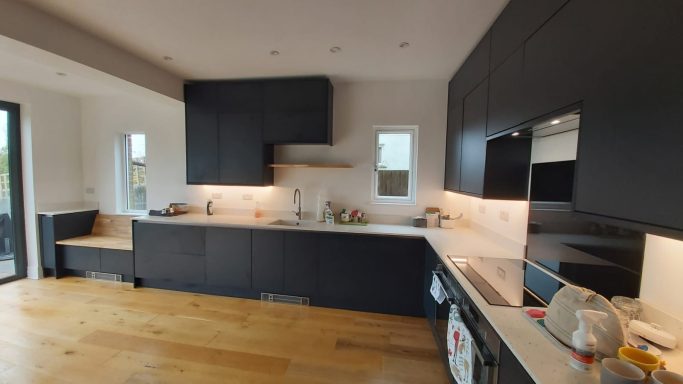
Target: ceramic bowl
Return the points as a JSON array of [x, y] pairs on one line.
[[615, 371], [641, 359], [666, 377]]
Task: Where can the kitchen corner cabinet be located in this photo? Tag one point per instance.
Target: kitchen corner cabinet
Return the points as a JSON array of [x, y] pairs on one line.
[[510, 370], [372, 273]]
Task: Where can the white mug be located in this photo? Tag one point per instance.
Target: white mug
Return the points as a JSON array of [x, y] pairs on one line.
[[615, 371], [666, 377]]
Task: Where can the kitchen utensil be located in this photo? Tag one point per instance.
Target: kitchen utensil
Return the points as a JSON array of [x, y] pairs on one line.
[[652, 332], [666, 377], [615, 371], [641, 359]]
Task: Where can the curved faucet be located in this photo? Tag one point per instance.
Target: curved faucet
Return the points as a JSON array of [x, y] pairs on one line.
[[298, 213]]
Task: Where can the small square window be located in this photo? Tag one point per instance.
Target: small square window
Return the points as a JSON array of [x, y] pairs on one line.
[[395, 177]]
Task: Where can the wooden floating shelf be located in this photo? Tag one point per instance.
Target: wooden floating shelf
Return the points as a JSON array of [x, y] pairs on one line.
[[311, 165]]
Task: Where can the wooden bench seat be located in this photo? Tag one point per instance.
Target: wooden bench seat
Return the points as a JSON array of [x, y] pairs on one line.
[[108, 232]]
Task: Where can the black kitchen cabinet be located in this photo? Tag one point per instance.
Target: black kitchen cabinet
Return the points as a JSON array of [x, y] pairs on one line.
[[243, 157], [473, 158], [518, 21], [224, 139], [80, 258], [58, 227], [475, 68], [228, 257], [201, 133], [372, 273], [169, 252], [453, 146], [301, 253], [267, 261], [507, 95], [630, 143], [431, 261], [116, 261], [510, 370], [298, 111]]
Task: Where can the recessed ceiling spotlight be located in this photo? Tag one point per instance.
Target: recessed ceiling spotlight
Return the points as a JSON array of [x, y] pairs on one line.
[[555, 122], [404, 44], [335, 49], [168, 58], [274, 53], [61, 74], [515, 134]]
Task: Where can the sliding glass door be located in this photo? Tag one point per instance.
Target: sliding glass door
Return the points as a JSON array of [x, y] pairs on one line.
[[12, 240]]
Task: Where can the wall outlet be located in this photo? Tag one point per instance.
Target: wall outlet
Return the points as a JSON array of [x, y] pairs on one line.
[[247, 196], [90, 190], [501, 273], [216, 195], [504, 215], [482, 208]]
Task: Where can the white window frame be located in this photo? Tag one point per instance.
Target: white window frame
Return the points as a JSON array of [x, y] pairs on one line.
[[124, 173], [411, 199]]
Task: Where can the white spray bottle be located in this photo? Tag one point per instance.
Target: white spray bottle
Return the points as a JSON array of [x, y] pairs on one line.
[[584, 343]]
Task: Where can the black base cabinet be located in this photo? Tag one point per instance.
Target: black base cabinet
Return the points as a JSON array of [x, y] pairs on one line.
[[381, 274], [372, 273], [75, 260], [510, 370]]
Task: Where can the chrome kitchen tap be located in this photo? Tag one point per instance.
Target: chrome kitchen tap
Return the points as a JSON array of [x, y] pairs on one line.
[[298, 213]]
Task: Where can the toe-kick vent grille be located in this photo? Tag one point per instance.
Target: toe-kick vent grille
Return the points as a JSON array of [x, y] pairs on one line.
[[285, 299], [103, 276]]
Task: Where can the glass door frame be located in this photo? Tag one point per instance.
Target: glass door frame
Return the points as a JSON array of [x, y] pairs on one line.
[[16, 188]]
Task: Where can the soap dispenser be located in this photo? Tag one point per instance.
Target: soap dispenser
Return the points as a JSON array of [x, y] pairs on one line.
[[584, 343], [209, 207]]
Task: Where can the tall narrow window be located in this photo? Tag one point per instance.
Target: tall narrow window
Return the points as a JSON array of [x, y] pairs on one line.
[[395, 164], [136, 172]]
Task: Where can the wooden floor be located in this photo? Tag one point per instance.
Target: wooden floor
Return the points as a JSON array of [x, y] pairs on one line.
[[81, 331]]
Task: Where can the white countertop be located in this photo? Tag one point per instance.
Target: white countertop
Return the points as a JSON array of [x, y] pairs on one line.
[[543, 359], [66, 211]]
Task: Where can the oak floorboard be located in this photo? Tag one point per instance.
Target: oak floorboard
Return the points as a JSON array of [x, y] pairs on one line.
[[75, 330]]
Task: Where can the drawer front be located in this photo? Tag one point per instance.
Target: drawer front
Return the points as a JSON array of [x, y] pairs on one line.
[[81, 258], [170, 266], [116, 261], [169, 238]]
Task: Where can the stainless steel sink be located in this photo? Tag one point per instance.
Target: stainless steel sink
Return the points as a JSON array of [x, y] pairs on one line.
[[292, 223]]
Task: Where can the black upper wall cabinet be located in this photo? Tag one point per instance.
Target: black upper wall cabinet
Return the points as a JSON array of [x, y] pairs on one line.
[[548, 55], [231, 126], [298, 111]]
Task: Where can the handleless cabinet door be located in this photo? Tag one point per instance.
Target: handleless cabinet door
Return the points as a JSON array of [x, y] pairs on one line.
[[301, 263], [116, 261], [453, 147], [267, 271], [474, 141], [228, 257], [80, 258], [242, 153], [510, 370], [506, 104], [201, 131]]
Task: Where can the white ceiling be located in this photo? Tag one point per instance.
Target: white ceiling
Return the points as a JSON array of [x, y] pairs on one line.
[[211, 39]]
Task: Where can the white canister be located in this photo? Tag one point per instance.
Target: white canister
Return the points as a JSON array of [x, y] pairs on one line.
[[432, 220]]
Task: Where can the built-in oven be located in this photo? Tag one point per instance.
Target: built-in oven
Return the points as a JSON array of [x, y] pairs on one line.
[[485, 341]]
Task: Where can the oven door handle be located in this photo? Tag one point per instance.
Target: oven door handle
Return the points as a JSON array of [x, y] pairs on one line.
[[438, 275]]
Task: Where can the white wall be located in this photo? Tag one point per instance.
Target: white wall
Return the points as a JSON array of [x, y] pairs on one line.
[[105, 119], [51, 154], [357, 107], [661, 280]]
